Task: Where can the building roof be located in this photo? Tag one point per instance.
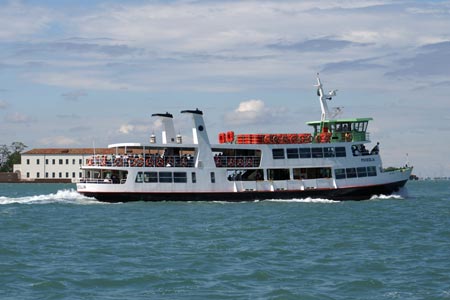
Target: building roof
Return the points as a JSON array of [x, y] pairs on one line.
[[73, 151], [79, 151]]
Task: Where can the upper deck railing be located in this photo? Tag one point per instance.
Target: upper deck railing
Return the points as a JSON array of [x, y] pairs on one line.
[[223, 161], [185, 161]]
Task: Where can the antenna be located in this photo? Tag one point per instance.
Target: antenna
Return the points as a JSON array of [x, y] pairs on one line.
[[323, 98]]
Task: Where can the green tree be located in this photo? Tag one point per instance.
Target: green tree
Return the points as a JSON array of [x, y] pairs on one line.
[[10, 155]]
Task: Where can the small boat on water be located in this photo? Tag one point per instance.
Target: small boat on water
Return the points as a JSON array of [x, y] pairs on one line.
[[331, 162]]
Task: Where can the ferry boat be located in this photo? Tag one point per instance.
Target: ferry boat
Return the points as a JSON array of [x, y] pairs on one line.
[[331, 162]]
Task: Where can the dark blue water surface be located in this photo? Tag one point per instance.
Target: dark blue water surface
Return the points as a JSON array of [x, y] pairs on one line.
[[56, 244]]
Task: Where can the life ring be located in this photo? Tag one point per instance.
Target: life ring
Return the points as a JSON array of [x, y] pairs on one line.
[[140, 162], [118, 162], [231, 162], [169, 161], [267, 139], [217, 161], [160, 162], [184, 162], [306, 139], [274, 139], [132, 162], [249, 162], [240, 162], [149, 162]]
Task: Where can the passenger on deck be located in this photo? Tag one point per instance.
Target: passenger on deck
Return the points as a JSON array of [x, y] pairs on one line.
[[364, 151]]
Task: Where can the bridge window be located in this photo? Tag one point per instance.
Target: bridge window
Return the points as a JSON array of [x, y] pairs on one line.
[[317, 152], [328, 152], [340, 152], [292, 152], [278, 153], [305, 152]]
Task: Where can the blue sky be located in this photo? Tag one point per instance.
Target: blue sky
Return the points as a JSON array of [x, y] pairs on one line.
[[78, 73]]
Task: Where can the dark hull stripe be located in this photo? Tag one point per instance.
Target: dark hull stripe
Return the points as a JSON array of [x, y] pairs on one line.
[[349, 193]]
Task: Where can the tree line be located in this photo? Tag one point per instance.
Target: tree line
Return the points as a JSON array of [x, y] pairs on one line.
[[10, 155]]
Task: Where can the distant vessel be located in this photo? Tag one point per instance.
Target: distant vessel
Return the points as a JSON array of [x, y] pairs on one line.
[[331, 162]]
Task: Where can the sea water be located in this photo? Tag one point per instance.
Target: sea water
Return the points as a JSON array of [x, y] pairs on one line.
[[57, 244]]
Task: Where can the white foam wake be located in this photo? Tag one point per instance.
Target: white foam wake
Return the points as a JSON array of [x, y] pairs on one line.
[[393, 196], [69, 196], [305, 200]]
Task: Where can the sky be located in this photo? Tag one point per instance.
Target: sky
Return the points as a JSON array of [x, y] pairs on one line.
[[91, 73]]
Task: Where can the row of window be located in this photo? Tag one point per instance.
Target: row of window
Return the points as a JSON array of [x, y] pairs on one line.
[[355, 172], [60, 175], [306, 152], [163, 177], [168, 177], [252, 175], [60, 161], [278, 174]]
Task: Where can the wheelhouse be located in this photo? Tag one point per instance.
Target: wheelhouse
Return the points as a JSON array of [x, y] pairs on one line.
[[341, 130]]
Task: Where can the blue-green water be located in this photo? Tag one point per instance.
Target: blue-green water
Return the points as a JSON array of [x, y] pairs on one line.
[[56, 244]]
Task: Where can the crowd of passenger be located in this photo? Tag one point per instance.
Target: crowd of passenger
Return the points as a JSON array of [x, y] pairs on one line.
[[141, 160]]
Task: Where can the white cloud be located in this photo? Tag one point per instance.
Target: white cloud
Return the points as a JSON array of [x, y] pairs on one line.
[[251, 106], [253, 112], [126, 128]]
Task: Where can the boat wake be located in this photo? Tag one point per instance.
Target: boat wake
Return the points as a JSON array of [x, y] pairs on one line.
[[68, 196], [383, 197], [305, 200]]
